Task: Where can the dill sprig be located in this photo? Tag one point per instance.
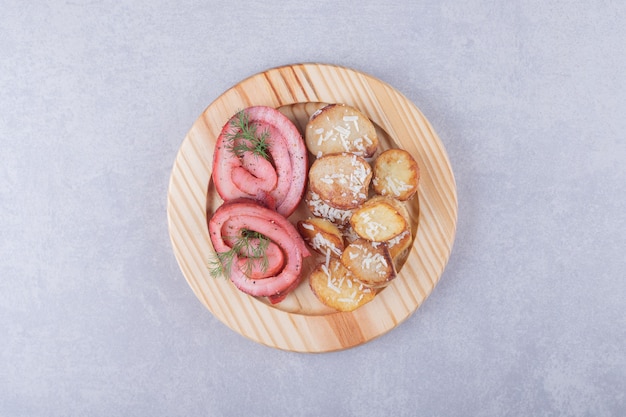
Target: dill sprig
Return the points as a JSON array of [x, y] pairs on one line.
[[244, 137], [250, 244]]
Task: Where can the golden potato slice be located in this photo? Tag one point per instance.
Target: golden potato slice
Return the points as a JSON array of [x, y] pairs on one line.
[[335, 287], [319, 208], [400, 206], [378, 220], [341, 180], [369, 262], [396, 174], [340, 128], [322, 236], [400, 244]]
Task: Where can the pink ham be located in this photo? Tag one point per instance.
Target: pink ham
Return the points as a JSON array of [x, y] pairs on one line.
[[249, 176], [252, 265], [231, 218]]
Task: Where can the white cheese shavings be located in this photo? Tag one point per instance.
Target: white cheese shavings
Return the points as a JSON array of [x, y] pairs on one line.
[[397, 186], [353, 119], [342, 130], [320, 209], [394, 241], [373, 228], [329, 282], [308, 226], [322, 244]]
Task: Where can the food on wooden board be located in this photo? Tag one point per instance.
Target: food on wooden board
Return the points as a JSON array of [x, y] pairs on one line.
[[359, 223]]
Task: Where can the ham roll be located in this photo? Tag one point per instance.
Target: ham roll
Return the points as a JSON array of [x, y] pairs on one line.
[[277, 181], [284, 253]]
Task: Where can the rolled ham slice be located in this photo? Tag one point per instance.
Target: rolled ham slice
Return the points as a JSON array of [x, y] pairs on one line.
[[232, 219], [278, 183]]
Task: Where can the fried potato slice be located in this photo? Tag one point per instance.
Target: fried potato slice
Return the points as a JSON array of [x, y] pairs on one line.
[[369, 262], [322, 236], [341, 180], [340, 128], [378, 220], [396, 174], [400, 206], [400, 244], [335, 287]]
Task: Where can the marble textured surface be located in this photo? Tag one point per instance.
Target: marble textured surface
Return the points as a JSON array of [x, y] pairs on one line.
[[529, 99]]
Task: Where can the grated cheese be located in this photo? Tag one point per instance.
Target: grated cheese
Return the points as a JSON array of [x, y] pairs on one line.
[[353, 119], [394, 241], [320, 209], [342, 131], [397, 186], [373, 228], [308, 226], [319, 242]]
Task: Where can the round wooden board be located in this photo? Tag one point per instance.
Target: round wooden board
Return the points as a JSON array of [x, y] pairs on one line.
[[301, 323]]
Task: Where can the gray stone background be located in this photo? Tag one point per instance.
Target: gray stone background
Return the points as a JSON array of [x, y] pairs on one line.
[[529, 98]]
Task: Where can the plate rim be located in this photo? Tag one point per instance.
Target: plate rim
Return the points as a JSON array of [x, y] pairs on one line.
[[346, 322]]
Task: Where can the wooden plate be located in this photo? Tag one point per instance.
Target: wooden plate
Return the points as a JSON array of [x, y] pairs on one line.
[[301, 323]]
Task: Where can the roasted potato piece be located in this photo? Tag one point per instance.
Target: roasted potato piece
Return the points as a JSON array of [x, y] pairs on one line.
[[400, 244], [322, 236], [340, 128], [341, 180], [369, 262], [378, 220], [319, 208], [400, 206], [396, 174], [334, 286]]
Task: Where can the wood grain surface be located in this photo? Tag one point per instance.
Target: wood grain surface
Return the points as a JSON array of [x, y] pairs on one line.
[[301, 323]]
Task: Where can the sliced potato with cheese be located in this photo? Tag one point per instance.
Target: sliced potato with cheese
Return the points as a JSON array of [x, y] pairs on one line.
[[400, 244], [400, 206], [378, 220], [322, 236], [319, 208], [341, 180], [340, 128], [396, 174], [334, 285], [370, 263]]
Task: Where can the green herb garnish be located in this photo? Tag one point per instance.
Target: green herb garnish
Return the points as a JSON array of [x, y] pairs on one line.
[[244, 137], [249, 244]]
